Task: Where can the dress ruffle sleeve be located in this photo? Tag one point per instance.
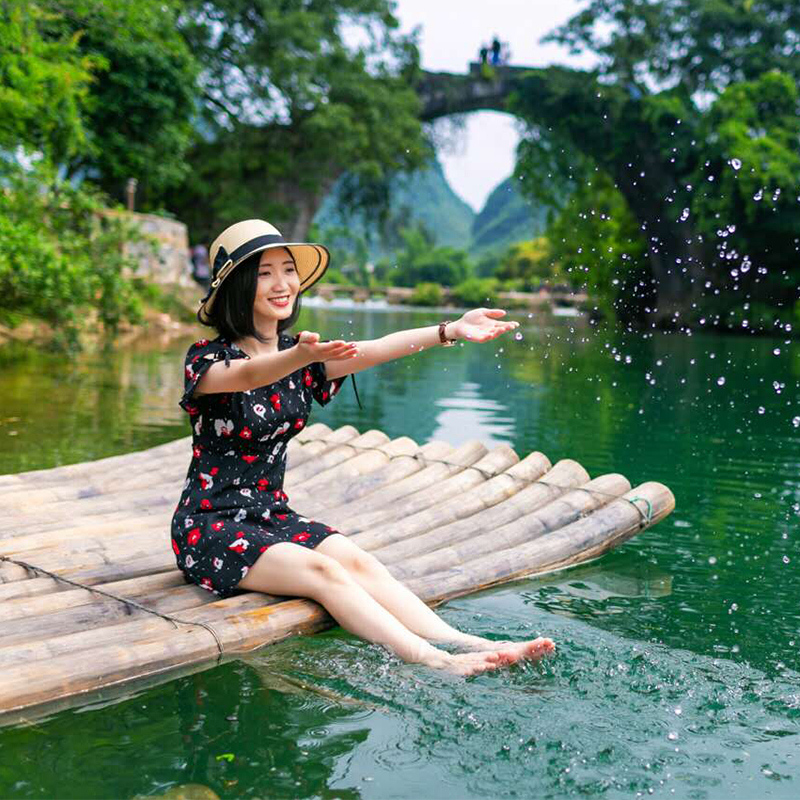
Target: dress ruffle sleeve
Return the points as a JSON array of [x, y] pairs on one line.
[[199, 357], [322, 389]]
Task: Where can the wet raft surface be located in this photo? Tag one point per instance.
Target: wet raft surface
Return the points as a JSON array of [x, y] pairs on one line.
[[445, 520]]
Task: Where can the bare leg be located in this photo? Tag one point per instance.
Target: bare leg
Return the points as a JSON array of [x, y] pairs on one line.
[[291, 570], [402, 603]]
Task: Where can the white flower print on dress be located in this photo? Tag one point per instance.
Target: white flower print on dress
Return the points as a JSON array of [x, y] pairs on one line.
[[240, 515], [198, 426], [190, 562], [223, 427], [206, 481], [246, 492], [266, 514], [188, 522], [217, 563], [259, 410]]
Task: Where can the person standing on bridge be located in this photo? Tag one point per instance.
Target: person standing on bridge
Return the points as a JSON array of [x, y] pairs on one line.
[[496, 46], [248, 392]]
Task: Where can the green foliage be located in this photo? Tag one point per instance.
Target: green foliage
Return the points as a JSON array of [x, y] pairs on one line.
[[477, 292], [595, 244], [44, 82], [529, 265], [421, 261], [59, 256], [683, 88], [143, 95], [287, 106], [426, 294]]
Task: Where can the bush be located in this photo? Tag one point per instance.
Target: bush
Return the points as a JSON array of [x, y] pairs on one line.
[[59, 256], [477, 292], [426, 294]]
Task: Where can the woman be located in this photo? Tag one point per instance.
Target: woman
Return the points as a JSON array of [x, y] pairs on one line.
[[248, 392]]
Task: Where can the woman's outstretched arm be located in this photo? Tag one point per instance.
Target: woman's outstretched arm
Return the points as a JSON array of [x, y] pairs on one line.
[[478, 325]]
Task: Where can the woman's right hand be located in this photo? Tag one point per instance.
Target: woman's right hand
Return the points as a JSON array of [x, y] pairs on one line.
[[315, 350]]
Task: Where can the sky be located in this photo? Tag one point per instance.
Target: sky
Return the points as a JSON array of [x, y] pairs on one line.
[[480, 157]]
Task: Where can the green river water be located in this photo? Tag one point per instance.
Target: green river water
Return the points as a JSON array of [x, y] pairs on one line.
[[678, 664]]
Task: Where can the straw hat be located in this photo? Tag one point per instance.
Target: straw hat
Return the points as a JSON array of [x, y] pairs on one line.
[[242, 240]]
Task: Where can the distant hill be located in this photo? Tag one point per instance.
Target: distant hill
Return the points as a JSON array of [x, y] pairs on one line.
[[506, 218], [423, 196], [427, 197]]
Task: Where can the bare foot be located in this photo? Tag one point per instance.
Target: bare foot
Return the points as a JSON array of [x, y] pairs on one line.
[[467, 663], [533, 649]]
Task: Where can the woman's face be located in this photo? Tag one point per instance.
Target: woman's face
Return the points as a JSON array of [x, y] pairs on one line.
[[278, 284]]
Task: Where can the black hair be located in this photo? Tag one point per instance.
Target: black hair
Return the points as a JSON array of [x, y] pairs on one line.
[[232, 312]]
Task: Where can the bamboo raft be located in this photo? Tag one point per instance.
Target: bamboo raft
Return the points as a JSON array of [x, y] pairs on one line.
[[446, 521]]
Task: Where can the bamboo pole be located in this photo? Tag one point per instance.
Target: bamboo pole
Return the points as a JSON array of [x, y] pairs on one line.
[[32, 505], [564, 476], [461, 505], [556, 514], [352, 470], [497, 460], [336, 456], [335, 493], [134, 588], [582, 540], [343, 516]]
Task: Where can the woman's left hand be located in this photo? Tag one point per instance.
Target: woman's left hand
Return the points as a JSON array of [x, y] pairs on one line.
[[480, 325]]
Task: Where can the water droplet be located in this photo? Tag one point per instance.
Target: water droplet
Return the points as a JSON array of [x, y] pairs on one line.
[[761, 410], [758, 195], [776, 351], [712, 559], [796, 422], [518, 336], [672, 736], [736, 163], [720, 381], [684, 215], [786, 559]]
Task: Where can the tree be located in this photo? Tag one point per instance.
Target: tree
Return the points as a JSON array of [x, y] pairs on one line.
[[44, 82], [422, 261], [659, 117], [288, 106], [143, 96]]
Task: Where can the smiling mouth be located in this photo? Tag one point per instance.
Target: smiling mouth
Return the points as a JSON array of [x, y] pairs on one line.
[[280, 300]]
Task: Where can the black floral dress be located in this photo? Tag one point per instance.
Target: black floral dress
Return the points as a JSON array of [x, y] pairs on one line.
[[233, 506]]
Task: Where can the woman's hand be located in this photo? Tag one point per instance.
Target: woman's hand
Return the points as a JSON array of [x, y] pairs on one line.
[[480, 325], [309, 344]]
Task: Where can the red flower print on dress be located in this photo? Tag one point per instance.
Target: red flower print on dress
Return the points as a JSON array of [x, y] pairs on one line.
[[175, 547], [206, 583], [281, 517], [262, 485], [240, 545], [201, 343], [275, 399], [206, 481], [246, 433], [249, 459], [197, 450], [306, 377], [205, 504], [263, 548], [213, 470], [194, 536], [301, 537], [298, 423], [324, 395], [218, 525], [192, 410]]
